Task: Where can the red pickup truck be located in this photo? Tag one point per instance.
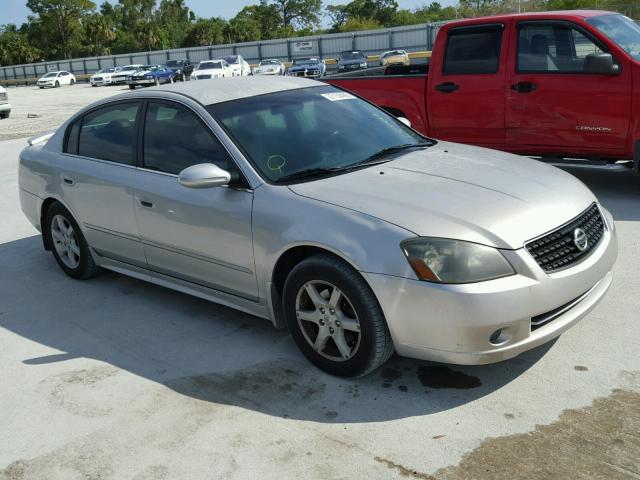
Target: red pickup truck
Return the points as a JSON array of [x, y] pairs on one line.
[[563, 84]]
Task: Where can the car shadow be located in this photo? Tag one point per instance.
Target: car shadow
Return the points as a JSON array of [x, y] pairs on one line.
[[216, 354], [617, 188]]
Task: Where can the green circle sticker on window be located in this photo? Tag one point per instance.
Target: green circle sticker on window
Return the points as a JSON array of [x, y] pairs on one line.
[[276, 162]]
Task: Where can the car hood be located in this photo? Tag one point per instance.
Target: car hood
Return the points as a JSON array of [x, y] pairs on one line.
[[462, 192], [209, 71], [355, 61], [102, 75], [306, 66]]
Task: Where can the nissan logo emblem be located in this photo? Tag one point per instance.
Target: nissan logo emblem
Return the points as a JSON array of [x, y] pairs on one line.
[[580, 239]]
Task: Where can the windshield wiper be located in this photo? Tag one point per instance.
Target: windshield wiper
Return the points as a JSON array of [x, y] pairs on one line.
[[385, 152], [310, 172]]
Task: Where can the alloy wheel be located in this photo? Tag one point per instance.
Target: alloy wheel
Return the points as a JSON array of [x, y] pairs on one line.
[[65, 241], [328, 320]]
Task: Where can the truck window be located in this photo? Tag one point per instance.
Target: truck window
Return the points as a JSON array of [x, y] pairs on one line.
[[473, 49], [553, 48]]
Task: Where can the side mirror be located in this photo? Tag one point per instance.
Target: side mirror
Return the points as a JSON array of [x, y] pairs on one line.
[[204, 175], [404, 120], [600, 63]]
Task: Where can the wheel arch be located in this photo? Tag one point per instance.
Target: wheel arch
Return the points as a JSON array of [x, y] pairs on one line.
[[46, 204], [286, 261]]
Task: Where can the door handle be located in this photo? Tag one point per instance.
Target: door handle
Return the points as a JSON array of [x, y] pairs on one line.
[[144, 203], [524, 87], [447, 87], [68, 180]]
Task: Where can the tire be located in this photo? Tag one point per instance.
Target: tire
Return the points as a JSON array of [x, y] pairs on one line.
[[72, 82], [74, 260], [57, 84], [157, 81], [41, 88], [366, 341], [93, 85], [5, 115], [132, 87]]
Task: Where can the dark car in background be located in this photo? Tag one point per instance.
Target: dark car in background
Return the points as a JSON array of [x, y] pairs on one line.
[[182, 69], [312, 67], [351, 60], [150, 75]]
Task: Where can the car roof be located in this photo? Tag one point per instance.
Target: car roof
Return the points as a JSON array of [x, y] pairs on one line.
[[226, 89], [562, 14]]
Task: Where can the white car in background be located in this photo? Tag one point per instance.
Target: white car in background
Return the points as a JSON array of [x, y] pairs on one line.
[[211, 69], [56, 79], [271, 66], [104, 76], [5, 106], [239, 66], [120, 78]]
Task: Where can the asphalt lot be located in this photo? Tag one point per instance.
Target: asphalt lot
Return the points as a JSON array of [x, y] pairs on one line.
[[114, 378]]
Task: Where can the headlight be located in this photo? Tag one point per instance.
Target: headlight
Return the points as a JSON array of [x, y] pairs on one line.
[[363, 65], [454, 261]]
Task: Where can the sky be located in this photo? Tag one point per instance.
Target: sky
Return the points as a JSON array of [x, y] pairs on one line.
[[15, 11]]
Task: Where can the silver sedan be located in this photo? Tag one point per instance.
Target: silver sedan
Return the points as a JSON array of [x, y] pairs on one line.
[[297, 202]]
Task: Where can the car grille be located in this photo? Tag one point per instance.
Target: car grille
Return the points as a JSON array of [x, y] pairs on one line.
[[558, 250], [203, 77], [97, 79]]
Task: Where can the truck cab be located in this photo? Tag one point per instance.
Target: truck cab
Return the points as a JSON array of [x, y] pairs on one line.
[[561, 84]]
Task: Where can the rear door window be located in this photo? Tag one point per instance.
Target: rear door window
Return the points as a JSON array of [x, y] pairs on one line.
[[109, 133], [473, 50]]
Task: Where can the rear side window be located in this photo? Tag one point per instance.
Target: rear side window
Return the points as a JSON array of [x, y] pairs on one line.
[[473, 50], [175, 138], [72, 138], [109, 133]]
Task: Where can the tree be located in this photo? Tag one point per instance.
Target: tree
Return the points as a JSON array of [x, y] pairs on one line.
[[476, 8], [358, 23], [99, 32], [15, 47], [61, 19], [298, 13], [174, 18], [206, 31]]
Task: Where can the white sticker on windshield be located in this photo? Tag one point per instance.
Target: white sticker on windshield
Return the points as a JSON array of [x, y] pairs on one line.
[[335, 96]]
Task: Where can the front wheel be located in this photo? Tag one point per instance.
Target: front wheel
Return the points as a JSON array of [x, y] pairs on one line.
[[70, 249], [335, 318], [57, 84], [132, 87], [72, 82]]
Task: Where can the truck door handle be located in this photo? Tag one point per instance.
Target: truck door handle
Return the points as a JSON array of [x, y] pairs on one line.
[[68, 180], [524, 87], [447, 87], [144, 203]]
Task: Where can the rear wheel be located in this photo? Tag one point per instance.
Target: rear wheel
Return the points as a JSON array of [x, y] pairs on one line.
[[335, 318], [72, 81], [157, 81], [69, 247], [132, 87], [57, 84]]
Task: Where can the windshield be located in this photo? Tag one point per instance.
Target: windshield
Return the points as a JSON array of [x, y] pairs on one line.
[[289, 132], [230, 59], [208, 65], [622, 30], [268, 62], [391, 54], [172, 63], [351, 55], [52, 74], [107, 70], [131, 67]]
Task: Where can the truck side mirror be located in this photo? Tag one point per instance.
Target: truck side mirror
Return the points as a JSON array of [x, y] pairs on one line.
[[600, 63]]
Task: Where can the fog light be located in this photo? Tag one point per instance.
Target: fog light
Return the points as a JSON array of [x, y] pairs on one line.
[[500, 337]]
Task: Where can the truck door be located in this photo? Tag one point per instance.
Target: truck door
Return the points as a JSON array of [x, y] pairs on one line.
[[465, 96], [554, 102]]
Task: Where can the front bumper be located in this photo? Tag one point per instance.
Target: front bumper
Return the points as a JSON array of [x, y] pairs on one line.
[[142, 81], [454, 323], [46, 84], [102, 82], [5, 107]]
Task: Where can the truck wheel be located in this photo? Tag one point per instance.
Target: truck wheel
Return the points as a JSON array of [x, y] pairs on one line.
[[335, 318], [69, 247]]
